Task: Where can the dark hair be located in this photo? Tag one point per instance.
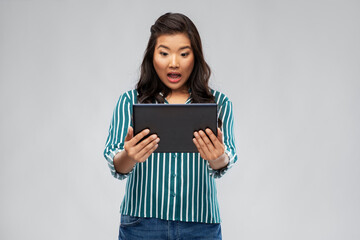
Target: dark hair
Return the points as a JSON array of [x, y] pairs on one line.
[[149, 85]]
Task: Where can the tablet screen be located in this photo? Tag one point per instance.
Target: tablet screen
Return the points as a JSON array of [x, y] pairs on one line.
[[175, 123]]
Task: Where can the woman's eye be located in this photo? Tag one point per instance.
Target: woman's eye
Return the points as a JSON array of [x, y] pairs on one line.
[[185, 54], [163, 54]]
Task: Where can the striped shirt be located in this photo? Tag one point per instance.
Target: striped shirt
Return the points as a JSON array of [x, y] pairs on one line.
[[170, 186]]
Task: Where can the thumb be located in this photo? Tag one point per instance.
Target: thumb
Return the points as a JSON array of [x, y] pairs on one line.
[[130, 134], [220, 136]]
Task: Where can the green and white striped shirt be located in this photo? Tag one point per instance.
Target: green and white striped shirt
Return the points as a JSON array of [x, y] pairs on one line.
[[170, 186]]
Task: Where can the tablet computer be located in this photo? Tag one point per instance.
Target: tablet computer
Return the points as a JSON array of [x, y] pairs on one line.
[[175, 123]]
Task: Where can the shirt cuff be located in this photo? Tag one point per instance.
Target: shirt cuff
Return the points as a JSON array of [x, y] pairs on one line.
[[220, 172], [110, 159]]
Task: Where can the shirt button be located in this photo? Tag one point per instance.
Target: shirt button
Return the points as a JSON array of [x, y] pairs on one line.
[[173, 194], [173, 174]]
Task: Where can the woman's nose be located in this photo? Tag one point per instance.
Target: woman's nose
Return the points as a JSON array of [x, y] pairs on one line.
[[174, 62]]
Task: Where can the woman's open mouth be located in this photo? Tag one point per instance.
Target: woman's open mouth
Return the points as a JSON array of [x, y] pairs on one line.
[[174, 77]]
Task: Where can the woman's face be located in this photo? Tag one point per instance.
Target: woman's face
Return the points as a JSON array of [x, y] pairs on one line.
[[174, 60]]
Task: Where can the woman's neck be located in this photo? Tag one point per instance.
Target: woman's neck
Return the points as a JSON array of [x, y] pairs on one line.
[[178, 97]]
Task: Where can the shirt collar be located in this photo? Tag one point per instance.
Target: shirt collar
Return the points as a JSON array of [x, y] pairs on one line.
[[187, 101], [189, 91]]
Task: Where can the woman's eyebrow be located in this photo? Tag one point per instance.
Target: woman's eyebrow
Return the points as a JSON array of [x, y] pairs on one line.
[[185, 47], [182, 48], [162, 46]]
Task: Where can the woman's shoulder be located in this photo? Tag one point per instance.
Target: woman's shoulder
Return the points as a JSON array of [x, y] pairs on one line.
[[130, 95], [220, 98]]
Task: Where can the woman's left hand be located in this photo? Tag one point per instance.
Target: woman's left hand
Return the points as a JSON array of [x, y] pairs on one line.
[[210, 148]]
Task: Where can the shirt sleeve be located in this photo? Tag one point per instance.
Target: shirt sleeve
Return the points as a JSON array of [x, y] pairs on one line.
[[121, 120], [227, 118]]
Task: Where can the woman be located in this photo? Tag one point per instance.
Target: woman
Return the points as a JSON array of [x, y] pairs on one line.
[[171, 195]]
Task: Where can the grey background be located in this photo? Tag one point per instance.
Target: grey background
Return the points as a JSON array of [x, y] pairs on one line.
[[291, 69]]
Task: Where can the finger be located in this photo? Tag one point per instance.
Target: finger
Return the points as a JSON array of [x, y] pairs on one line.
[[201, 142], [147, 155], [140, 146], [218, 144], [139, 136], [129, 134], [215, 148], [136, 152], [146, 148], [211, 135], [149, 152], [206, 140], [202, 153], [220, 136]]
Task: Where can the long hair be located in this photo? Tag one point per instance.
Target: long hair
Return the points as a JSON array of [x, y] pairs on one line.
[[150, 85]]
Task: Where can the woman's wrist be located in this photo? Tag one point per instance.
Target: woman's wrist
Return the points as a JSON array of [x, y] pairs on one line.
[[220, 162], [123, 163]]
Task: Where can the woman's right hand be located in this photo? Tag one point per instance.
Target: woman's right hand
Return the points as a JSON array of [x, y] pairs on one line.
[[139, 152]]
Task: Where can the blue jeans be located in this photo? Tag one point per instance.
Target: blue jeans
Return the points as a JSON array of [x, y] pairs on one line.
[[137, 228]]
